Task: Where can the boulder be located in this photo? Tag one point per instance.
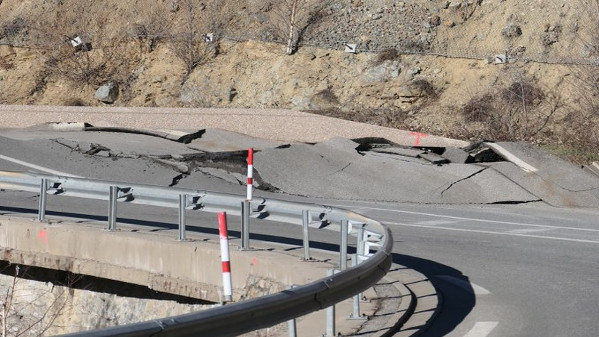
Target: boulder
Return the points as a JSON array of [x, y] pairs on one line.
[[108, 92]]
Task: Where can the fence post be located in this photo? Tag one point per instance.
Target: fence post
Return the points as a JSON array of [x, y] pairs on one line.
[[112, 208], [306, 223], [41, 215], [343, 245], [224, 253], [182, 207], [245, 224]]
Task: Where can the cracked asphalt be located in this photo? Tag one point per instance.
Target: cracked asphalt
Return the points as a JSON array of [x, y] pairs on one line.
[[368, 169]]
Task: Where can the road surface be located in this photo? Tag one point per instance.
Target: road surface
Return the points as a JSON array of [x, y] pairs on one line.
[[502, 270]]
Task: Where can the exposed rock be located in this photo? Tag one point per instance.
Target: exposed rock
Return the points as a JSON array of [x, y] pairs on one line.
[[435, 20], [384, 72], [550, 38], [108, 92], [511, 31], [174, 6], [414, 71], [454, 5]]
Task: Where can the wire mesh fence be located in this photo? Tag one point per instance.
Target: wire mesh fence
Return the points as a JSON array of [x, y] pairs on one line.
[[407, 29]]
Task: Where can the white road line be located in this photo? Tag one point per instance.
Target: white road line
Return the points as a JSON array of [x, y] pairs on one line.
[[491, 232], [529, 230], [37, 167], [465, 285], [481, 329], [436, 222], [475, 219]]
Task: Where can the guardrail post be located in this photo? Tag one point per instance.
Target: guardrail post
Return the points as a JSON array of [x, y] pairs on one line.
[[114, 190], [306, 217], [330, 313], [361, 244], [245, 224], [343, 247], [41, 215], [291, 326], [356, 306], [182, 207]]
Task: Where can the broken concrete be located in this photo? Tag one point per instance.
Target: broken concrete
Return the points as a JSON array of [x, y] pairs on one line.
[[457, 156], [434, 158], [323, 170], [393, 150]]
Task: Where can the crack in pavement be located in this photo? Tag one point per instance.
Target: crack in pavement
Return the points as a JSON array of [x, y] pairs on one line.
[[465, 178], [339, 170]]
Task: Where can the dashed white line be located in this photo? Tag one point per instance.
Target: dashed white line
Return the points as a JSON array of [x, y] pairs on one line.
[[481, 329]]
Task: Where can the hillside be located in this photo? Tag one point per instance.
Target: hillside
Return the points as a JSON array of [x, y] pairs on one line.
[[420, 65]]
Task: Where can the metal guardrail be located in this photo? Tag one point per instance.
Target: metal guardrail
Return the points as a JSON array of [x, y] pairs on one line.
[[240, 317]]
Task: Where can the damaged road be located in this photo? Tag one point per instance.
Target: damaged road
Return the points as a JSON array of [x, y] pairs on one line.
[[371, 169]]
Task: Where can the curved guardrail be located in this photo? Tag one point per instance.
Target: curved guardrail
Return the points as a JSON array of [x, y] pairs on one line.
[[240, 317]]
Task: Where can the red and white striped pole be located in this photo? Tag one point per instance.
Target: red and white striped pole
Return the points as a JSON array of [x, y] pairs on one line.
[[250, 181], [224, 254]]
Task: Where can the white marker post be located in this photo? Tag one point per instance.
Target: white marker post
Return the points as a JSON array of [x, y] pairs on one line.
[[250, 181], [224, 253]]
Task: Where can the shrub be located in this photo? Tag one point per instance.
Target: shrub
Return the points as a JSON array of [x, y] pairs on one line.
[[477, 109], [328, 96], [518, 111], [425, 87], [388, 54]]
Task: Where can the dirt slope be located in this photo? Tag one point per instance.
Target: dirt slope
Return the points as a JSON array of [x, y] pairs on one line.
[[421, 65]]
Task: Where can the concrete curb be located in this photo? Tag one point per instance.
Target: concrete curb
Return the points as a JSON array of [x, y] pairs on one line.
[[427, 304], [406, 314]]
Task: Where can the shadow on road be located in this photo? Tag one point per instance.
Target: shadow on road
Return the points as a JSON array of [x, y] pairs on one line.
[[456, 295]]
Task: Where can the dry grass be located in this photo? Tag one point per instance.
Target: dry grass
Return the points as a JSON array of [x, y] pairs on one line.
[[5, 63]]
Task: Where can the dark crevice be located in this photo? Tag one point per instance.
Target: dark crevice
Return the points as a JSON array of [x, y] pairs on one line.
[[514, 202], [96, 148], [369, 143], [176, 179]]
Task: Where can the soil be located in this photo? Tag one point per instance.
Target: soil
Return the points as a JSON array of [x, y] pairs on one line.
[[431, 66]]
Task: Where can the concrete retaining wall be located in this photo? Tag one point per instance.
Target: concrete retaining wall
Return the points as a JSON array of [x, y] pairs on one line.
[[156, 260]]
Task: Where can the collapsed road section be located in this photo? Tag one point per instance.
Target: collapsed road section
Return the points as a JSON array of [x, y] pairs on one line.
[[372, 169]]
